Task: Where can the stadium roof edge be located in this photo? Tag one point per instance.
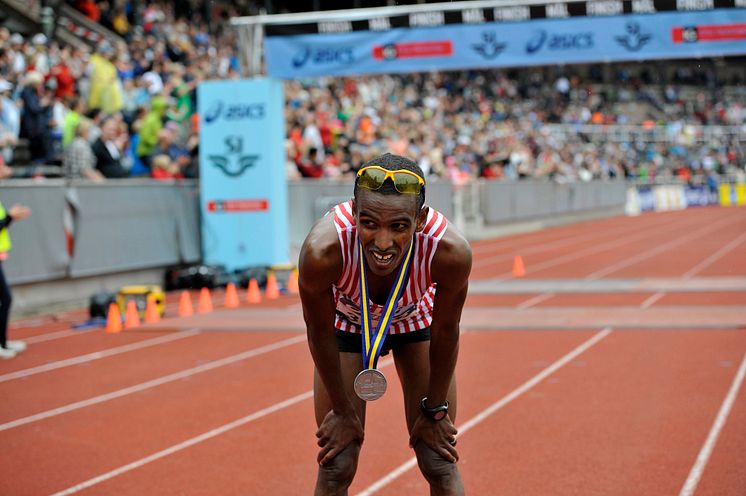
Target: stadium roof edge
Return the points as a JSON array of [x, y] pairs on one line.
[[372, 12]]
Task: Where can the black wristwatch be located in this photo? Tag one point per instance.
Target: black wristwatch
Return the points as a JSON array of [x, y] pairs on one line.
[[435, 413]]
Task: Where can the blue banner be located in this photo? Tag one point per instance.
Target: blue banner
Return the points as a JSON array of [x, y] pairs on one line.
[[243, 197], [510, 44]]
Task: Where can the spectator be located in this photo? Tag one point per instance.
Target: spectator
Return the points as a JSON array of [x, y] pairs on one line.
[[8, 349], [149, 129], [35, 117], [165, 168], [105, 92], [71, 120], [62, 76], [108, 150], [310, 167], [10, 122], [79, 160]]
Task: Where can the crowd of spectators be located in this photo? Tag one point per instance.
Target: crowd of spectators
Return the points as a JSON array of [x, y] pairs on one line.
[[121, 109], [499, 125], [129, 109]]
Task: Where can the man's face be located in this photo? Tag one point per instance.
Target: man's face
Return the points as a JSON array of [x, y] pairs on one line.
[[386, 225]]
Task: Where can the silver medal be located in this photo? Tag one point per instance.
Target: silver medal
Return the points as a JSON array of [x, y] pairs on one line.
[[370, 384]]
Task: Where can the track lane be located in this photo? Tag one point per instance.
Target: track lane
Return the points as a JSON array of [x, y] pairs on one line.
[[276, 454], [238, 462], [723, 475], [116, 432], [626, 418], [41, 354], [546, 253], [58, 389]]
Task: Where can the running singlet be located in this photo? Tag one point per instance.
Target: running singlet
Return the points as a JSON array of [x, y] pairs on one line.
[[415, 308]]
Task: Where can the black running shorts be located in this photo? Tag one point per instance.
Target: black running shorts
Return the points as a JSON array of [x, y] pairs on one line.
[[349, 342]]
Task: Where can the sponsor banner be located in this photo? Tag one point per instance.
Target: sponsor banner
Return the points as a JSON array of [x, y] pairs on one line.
[[732, 194], [646, 197], [243, 190], [699, 196], [500, 44], [404, 17], [704, 33]]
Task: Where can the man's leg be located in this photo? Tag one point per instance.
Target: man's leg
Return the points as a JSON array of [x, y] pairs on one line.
[[413, 366], [6, 299], [335, 477]]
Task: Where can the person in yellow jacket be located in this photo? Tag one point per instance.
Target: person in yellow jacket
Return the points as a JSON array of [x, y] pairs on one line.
[[8, 349], [106, 89]]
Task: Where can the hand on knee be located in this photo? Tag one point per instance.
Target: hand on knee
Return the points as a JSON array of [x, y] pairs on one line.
[[338, 473], [442, 475]]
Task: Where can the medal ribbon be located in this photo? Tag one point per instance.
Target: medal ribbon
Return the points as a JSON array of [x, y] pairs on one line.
[[372, 343]]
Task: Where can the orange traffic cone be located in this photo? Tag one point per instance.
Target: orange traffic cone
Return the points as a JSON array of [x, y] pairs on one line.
[[271, 292], [253, 295], [185, 304], [518, 269], [204, 304], [131, 316], [231, 296], [152, 315], [293, 282], [113, 319]]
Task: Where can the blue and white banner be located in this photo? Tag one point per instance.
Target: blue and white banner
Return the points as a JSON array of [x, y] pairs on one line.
[[243, 189], [509, 44]]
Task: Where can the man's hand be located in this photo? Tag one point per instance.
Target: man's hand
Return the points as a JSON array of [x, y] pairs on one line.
[[19, 212], [438, 435], [336, 433]]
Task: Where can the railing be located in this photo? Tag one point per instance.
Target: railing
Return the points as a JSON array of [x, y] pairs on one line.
[[670, 133]]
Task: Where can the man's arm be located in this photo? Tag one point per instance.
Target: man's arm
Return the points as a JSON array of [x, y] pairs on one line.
[[320, 265], [450, 271]]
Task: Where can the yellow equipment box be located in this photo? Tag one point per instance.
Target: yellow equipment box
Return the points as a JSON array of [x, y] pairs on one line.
[[141, 294]]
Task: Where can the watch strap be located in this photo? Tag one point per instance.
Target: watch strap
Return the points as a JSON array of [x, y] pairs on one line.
[[437, 412]]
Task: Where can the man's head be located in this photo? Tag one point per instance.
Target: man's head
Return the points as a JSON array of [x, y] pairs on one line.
[[109, 129], [386, 218], [393, 162]]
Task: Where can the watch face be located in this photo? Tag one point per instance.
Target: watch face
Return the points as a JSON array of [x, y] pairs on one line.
[[440, 415]]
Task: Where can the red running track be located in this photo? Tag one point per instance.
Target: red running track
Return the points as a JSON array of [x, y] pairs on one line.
[[572, 410]]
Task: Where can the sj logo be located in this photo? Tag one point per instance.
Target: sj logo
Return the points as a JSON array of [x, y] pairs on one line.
[[234, 162]]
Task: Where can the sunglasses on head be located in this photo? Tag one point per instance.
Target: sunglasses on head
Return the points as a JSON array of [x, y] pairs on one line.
[[406, 182]]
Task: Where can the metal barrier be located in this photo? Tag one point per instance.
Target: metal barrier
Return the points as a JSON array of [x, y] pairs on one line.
[[128, 231], [114, 227]]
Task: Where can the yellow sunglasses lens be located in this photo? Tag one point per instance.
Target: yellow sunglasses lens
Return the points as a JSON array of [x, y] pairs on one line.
[[371, 179], [404, 182]]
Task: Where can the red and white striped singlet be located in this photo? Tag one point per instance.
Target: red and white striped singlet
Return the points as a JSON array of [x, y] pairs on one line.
[[415, 307]]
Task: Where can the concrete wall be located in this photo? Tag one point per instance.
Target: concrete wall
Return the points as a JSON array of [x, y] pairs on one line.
[[129, 231]]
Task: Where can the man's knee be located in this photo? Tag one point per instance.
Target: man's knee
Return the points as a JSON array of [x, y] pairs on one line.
[[337, 474], [439, 472]]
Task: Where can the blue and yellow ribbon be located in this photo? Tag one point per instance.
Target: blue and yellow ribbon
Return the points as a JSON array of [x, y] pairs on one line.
[[372, 343]]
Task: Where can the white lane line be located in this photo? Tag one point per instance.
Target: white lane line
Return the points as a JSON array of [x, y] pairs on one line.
[[196, 440], [510, 246], [704, 454], [97, 355], [698, 268], [714, 257], [186, 444], [55, 335], [679, 240], [592, 250], [152, 383], [480, 417], [534, 301], [652, 299], [540, 248], [596, 275]]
